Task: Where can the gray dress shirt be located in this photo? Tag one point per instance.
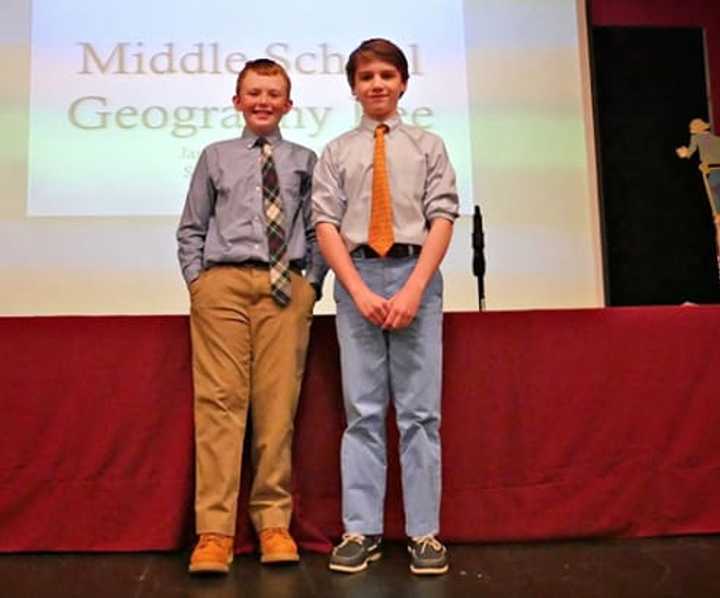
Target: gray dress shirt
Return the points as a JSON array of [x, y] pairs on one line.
[[422, 182], [709, 146], [224, 217]]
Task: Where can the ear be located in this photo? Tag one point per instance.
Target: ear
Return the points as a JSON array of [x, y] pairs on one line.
[[288, 106], [236, 102]]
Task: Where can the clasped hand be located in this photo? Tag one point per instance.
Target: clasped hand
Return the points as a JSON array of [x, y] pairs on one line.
[[390, 314]]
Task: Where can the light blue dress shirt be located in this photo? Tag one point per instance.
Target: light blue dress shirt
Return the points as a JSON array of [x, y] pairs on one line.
[[422, 182], [224, 217]]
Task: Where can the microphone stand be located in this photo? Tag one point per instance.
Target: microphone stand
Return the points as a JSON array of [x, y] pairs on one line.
[[478, 245]]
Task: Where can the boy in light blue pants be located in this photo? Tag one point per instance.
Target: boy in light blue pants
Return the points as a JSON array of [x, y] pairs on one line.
[[384, 203]]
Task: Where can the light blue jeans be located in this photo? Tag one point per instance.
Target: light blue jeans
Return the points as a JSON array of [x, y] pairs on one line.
[[377, 366]]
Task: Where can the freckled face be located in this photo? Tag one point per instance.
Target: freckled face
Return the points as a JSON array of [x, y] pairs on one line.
[[378, 87], [263, 101]]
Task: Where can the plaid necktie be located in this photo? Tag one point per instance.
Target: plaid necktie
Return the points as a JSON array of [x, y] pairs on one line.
[[380, 231], [275, 215]]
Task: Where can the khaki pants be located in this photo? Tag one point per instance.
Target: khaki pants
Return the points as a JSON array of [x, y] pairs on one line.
[[247, 352]]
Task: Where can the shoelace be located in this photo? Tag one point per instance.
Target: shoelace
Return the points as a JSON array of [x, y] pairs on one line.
[[273, 532], [207, 539], [350, 537], [423, 542]]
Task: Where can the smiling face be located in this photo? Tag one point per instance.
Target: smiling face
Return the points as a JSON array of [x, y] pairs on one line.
[[263, 101], [378, 86]]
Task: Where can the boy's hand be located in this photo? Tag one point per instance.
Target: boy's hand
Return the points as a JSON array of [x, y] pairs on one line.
[[403, 307], [373, 307]]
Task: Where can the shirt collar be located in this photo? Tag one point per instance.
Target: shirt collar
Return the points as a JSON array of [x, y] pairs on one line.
[[251, 137], [370, 124]]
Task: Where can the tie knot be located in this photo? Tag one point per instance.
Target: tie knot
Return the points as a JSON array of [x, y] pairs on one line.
[[264, 145], [381, 129]]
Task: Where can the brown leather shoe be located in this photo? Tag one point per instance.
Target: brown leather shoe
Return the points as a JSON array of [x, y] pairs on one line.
[[213, 553], [277, 546]]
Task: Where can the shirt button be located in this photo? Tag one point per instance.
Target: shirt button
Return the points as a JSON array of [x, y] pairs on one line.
[[257, 188]]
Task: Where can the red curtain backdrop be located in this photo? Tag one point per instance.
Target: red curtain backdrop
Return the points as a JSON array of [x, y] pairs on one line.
[[556, 424], [669, 13]]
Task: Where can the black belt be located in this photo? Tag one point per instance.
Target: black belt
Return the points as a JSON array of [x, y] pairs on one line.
[[397, 250], [295, 265]]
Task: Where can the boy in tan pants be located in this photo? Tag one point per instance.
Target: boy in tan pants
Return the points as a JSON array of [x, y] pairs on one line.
[[244, 241]]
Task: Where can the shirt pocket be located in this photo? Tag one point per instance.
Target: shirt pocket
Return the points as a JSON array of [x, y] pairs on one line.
[[292, 187], [408, 176]]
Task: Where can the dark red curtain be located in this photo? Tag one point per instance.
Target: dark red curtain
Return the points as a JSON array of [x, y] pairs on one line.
[[556, 424]]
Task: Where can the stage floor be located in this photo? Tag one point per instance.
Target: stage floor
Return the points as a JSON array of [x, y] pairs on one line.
[[683, 567]]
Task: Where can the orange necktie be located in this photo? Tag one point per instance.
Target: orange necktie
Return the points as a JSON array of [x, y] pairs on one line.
[[380, 232]]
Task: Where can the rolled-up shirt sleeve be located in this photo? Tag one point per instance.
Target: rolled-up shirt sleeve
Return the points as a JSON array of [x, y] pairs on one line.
[[193, 227], [328, 199], [441, 198]]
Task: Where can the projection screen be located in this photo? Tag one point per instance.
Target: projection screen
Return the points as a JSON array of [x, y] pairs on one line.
[[106, 106]]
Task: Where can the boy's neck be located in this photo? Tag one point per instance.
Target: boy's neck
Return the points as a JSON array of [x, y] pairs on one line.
[[371, 121], [272, 135]]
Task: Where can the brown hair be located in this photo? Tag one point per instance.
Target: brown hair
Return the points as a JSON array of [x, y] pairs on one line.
[[379, 49], [262, 66]]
